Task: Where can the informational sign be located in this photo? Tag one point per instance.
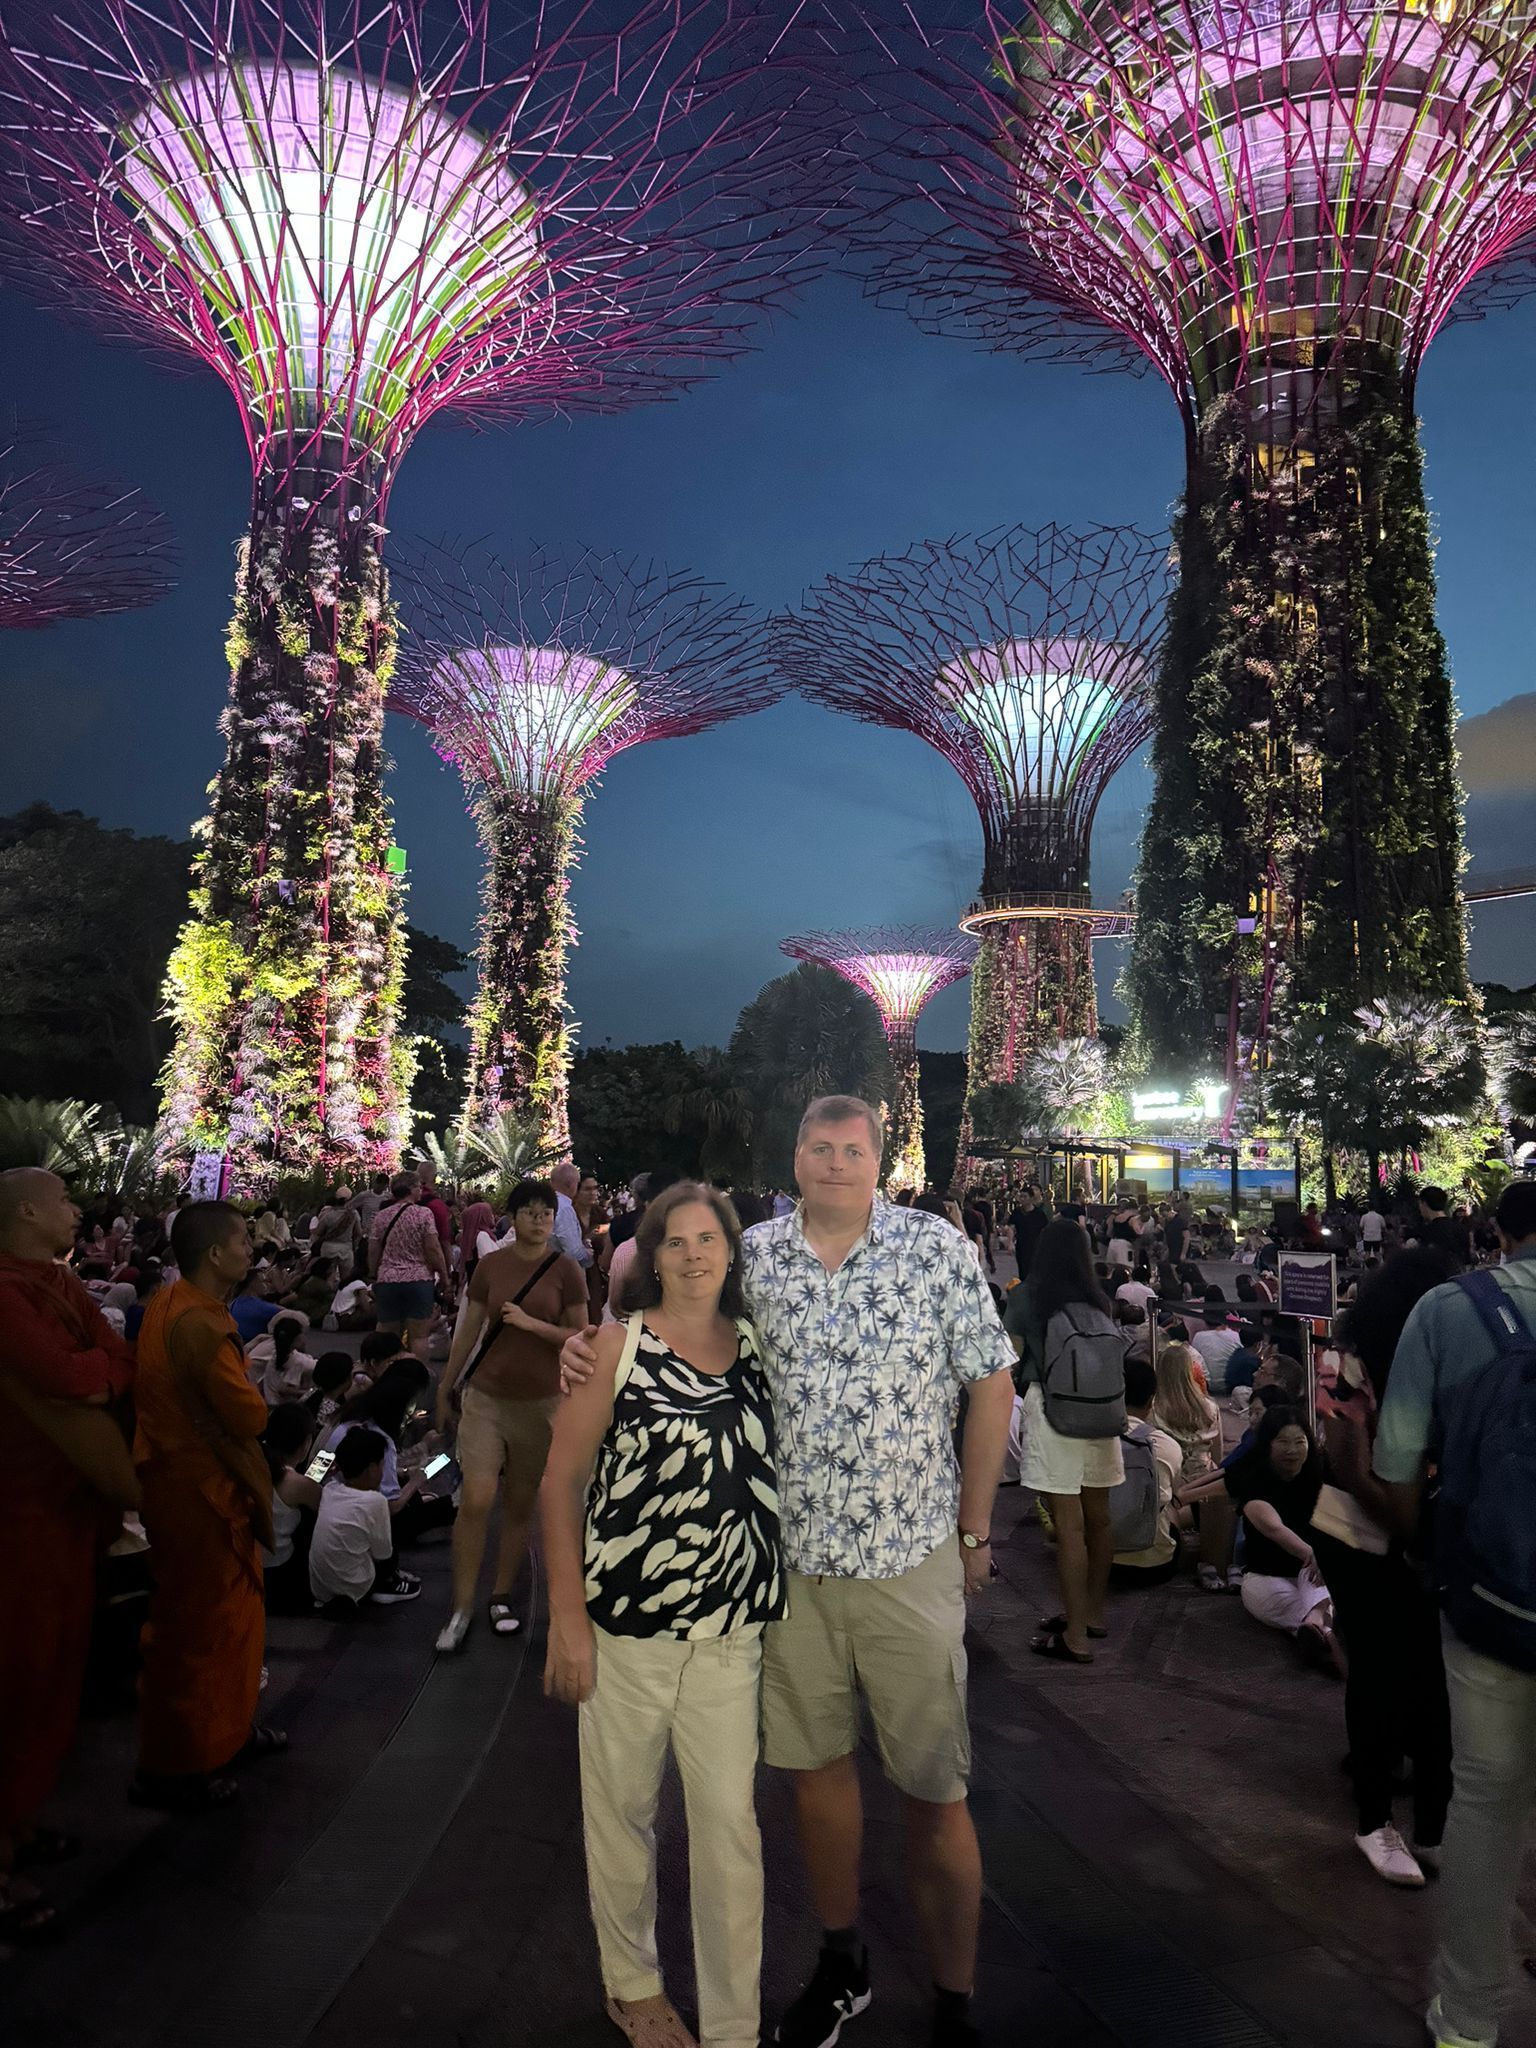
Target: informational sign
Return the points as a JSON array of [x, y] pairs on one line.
[[1308, 1285], [206, 1182], [1203, 1103]]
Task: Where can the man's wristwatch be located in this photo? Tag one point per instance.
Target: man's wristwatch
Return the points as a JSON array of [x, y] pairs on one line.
[[974, 1542]]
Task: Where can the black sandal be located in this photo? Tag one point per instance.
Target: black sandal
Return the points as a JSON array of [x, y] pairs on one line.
[[45, 1847], [504, 1621], [1048, 1645], [263, 1742], [183, 1795], [1056, 1625]]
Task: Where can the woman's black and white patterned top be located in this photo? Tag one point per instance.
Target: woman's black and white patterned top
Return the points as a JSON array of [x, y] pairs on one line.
[[683, 1512]]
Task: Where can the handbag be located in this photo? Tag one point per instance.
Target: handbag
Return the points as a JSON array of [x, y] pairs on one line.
[[495, 1330]]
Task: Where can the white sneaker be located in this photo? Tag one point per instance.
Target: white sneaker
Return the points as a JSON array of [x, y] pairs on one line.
[[1446, 2037], [1387, 1853], [451, 1636]]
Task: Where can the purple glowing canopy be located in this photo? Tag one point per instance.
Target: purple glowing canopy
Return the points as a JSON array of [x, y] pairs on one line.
[[901, 968]]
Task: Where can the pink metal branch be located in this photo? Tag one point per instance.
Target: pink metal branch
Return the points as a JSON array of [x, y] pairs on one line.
[[73, 546]]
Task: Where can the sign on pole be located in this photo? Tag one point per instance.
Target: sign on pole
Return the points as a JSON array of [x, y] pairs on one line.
[[206, 1181], [1308, 1285]]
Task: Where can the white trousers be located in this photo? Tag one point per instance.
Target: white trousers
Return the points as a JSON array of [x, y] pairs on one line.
[[702, 1699]]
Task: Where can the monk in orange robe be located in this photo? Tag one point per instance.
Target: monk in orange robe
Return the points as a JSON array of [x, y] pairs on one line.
[[207, 1511], [66, 1480]]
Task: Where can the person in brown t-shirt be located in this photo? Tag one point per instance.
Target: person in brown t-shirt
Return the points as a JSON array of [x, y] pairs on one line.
[[525, 1298]]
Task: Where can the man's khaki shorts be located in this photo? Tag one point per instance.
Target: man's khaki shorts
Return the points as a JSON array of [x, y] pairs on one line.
[[499, 1438], [901, 1642]]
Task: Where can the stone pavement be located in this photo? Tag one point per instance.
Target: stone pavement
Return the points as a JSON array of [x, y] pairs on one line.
[[1167, 1841]]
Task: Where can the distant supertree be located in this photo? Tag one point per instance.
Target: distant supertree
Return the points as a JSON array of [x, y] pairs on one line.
[[359, 217], [1025, 658], [73, 546], [1276, 202], [530, 681], [900, 968]]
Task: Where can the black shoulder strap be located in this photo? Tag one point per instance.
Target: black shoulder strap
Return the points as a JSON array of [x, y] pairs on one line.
[[1498, 1309], [495, 1329]]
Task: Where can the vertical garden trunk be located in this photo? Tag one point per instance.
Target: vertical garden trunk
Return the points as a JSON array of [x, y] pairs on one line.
[[1304, 841], [286, 979], [905, 1135], [1032, 984], [519, 1033]]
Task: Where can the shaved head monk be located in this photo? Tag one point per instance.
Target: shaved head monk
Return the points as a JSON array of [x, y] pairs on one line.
[[68, 1478], [207, 1511]]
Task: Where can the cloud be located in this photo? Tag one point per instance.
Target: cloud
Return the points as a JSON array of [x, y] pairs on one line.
[[1498, 749]]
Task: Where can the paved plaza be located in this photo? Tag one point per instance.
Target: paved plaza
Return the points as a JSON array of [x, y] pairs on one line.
[[1167, 1840]]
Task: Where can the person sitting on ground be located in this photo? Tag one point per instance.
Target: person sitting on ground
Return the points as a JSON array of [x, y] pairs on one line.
[[330, 1384], [1133, 1296], [351, 1553], [277, 1365], [377, 1352], [1275, 1484], [255, 1305], [151, 1279], [315, 1290], [1278, 1370], [389, 1405], [1213, 1485], [1217, 1341], [1153, 1464], [1185, 1410], [295, 1499], [1243, 1364], [352, 1307]]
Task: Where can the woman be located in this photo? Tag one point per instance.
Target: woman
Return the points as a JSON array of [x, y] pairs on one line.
[[524, 1301], [337, 1230], [1074, 1473], [286, 1440], [1276, 1485], [406, 1263], [1185, 1411], [277, 1365], [661, 1643], [1395, 1701], [478, 1218]]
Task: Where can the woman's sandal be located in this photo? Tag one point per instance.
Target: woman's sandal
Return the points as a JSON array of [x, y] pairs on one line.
[[657, 2026], [1048, 1645], [263, 1742], [27, 1921], [45, 1847], [183, 1795], [504, 1622], [1056, 1625]]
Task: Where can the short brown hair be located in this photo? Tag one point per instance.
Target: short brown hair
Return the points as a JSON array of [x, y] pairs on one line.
[[842, 1109], [641, 1286]]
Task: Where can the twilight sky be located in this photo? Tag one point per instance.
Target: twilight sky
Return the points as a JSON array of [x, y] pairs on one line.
[[849, 432]]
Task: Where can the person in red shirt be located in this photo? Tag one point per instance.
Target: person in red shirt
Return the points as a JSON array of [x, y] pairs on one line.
[[68, 1478]]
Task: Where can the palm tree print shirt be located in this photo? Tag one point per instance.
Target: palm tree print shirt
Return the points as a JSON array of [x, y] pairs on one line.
[[865, 1366]]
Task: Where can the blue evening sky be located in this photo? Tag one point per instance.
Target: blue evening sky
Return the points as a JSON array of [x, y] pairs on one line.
[[848, 432]]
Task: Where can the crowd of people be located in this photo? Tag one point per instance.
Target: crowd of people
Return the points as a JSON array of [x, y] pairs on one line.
[[760, 1442]]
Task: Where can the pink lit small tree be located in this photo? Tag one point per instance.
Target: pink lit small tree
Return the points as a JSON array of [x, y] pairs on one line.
[[359, 217], [531, 681], [901, 968]]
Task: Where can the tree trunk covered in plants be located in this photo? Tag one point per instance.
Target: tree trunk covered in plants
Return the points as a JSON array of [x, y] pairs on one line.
[[904, 1132], [1305, 779], [1032, 984], [519, 1033], [285, 982]]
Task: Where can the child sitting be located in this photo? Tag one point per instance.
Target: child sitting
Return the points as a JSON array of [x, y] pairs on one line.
[[351, 1554]]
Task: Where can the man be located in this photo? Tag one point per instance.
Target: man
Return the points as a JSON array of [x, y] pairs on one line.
[[1143, 1443], [1373, 1228], [1179, 1226], [437, 1209], [1436, 1227], [68, 1478], [567, 1233], [207, 1513], [1029, 1220], [369, 1204], [1445, 1353], [1216, 1342], [870, 1319]]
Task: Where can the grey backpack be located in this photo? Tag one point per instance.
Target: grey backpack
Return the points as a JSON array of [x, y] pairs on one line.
[[1133, 1503], [1083, 1379]]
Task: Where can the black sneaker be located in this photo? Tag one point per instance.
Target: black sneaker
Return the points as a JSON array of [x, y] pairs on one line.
[[403, 1586], [838, 1992]]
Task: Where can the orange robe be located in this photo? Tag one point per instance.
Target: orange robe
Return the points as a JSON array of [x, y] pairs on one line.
[[207, 1510], [52, 1526]]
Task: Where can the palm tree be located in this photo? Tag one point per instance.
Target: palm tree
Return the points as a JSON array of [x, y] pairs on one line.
[[1068, 1078], [1512, 1067], [455, 1160], [59, 1136], [511, 1149], [719, 1108]]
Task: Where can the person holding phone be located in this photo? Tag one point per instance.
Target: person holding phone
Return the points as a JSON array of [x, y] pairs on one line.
[[524, 1300], [286, 1441], [660, 1582]]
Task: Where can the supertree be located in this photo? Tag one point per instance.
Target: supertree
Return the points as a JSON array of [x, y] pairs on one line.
[[1025, 659], [900, 968], [1277, 203], [359, 217], [73, 546], [530, 681]]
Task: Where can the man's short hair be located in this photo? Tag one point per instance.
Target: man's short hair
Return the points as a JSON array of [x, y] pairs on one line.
[[379, 1345], [1516, 1212], [841, 1109], [533, 1194], [1140, 1381], [362, 1446], [199, 1228], [1435, 1198]]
